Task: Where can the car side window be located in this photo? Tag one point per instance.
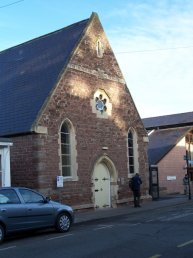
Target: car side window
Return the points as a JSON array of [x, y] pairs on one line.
[[31, 197], [8, 196]]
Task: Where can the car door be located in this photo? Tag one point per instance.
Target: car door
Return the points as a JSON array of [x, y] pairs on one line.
[[12, 211], [40, 212]]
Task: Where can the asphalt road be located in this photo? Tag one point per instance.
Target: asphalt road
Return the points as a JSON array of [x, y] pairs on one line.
[[164, 232]]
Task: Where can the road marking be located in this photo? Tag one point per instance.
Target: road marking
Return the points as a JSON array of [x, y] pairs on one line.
[[6, 248], [103, 227], [52, 238], [155, 256], [186, 243], [177, 217], [150, 220], [132, 225]]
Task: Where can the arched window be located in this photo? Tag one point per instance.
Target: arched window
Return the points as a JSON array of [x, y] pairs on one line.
[[68, 153], [99, 48], [132, 152], [65, 150]]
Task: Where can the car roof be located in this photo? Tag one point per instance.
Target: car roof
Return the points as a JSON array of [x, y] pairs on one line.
[[15, 187]]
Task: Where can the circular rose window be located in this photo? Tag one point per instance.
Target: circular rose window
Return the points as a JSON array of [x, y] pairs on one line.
[[101, 103]]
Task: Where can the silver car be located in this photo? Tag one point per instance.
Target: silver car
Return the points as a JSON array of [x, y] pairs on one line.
[[25, 209]]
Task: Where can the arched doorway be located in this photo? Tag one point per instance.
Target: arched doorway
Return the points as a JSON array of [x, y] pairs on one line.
[[101, 178], [104, 181]]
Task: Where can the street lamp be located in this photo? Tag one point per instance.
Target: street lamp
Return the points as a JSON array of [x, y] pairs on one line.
[[187, 167]]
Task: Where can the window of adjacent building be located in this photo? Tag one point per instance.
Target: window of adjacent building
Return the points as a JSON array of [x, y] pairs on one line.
[[68, 152], [132, 152], [189, 147]]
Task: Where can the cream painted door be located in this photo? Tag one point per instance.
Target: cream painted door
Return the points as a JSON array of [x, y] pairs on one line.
[[101, 179]]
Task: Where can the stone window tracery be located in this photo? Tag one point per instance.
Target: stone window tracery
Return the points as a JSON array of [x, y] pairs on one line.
[[101, 104]]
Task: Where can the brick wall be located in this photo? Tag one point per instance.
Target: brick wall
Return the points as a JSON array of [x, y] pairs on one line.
[[173, 165], [24, 170]]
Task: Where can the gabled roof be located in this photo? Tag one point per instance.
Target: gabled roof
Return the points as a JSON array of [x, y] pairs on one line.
[[29, 71], [169, 121], [162, 141]]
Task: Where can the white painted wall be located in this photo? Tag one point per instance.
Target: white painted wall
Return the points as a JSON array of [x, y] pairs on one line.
[[5, 164]]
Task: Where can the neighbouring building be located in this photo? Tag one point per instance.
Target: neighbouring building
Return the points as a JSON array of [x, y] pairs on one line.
[[171, 149], [77, 135]]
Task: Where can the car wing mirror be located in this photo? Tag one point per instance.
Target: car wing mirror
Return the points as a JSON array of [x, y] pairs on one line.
[[47, 199]]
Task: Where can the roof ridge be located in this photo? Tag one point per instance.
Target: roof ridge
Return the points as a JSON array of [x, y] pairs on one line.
[[176, 114]]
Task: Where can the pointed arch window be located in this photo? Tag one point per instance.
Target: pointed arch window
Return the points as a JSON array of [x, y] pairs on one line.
[[132, 152], [68, 152], [99, 48], [65, 150]]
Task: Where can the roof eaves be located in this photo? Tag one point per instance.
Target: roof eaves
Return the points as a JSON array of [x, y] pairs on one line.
[[5, 142]]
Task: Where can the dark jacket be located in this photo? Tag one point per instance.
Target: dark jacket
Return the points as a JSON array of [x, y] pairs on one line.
[[136, 183]]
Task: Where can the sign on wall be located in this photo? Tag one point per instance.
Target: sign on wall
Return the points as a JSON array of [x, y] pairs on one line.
[[60, 182], [170, 178]]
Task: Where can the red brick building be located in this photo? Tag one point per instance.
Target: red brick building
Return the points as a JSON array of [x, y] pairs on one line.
[[69, 113], [171, 149]]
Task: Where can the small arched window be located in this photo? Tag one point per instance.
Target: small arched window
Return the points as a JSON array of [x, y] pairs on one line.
[[65, 150], [132, 152], [99, 48]]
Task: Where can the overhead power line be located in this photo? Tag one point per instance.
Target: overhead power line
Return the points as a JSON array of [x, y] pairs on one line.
[[3, 6], [127, 52], [153, 50]]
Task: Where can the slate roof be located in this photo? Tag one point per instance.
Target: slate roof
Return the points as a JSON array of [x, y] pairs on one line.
[[28, 72], [169, 121], [162, 141], [168, 130]]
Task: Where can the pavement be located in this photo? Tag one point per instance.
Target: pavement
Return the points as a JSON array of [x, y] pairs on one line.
[[167, 201]]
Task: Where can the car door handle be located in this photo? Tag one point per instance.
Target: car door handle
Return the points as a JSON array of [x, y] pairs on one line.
[[3, 210]]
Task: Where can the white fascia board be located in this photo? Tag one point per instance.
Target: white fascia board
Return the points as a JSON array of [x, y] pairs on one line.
[[6, 143]]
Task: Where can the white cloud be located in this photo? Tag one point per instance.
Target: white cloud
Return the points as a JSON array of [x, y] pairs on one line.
[[159, 81]]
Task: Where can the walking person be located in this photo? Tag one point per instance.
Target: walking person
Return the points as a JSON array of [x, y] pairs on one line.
[[186, 184], [135, 185]]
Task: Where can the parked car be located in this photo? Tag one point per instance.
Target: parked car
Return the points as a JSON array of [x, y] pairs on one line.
[[25, 209]]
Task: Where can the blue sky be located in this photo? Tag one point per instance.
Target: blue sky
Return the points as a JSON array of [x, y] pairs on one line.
[[152, 41]]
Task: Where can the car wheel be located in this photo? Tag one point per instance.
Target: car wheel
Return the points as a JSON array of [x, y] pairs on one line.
[[2, 233], [63, 222]]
